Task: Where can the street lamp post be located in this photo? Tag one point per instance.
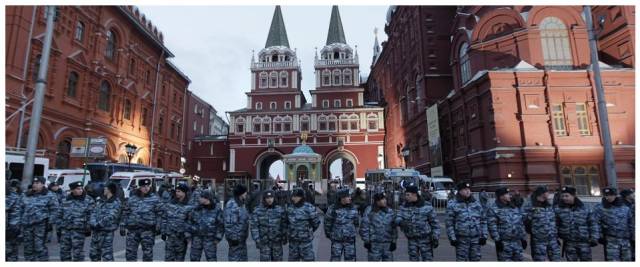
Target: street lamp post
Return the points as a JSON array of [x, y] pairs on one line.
[[131, 150]]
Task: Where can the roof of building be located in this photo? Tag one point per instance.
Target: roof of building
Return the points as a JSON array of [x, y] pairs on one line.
[[277, 31], [303, 149], [336, 33]]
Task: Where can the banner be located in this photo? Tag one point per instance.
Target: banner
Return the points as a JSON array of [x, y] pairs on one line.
[[435, 148], [97, 147], [78, 147]]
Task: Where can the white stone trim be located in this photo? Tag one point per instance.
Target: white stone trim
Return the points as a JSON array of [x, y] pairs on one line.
[[232, 160]]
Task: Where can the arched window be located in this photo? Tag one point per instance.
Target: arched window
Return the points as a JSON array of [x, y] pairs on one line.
[[344, 123], [322, 123], [346, 80], [372, 122], [326, 78], [304, 123], [62, 154], [264, 80], [257, 122], [266, 124], [337, 78], [258, 105], [333, 122], [555, 44], [465, 65], [79, 36], [160, 125], [127, 109], [72, 84], [286, 124], [284, 79], [240, 125], [104, 96], [110, 51], [274, 80], [353, 122]]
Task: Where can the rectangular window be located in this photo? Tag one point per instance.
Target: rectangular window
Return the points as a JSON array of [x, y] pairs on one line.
[[373, 125], [273, 105], [304, 126], [337, 103], [265, 127], [240, 128], [277, 127], [256, 127], [353, 125], [287, 105], [349, 103], [344, 125], [559, 126], [325, 103], [332, 125], [583, 120], [287, 127]]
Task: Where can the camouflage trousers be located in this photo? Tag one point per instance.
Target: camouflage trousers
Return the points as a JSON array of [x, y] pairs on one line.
[[175, 248], [239, 252], [301, 251], [512, 251], [543, 249], [101, 246], [468, 249], [72, 245], [140, 237], [34, 237], [577, 251], [204, 243], [617, 249], [346, 248], [380, 252], [420, 249], [12, 246], [271, 252]]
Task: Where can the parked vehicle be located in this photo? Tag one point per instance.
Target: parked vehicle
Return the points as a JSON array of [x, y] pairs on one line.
[[14, 163], [128, 181], [438, 186], [64, 177]]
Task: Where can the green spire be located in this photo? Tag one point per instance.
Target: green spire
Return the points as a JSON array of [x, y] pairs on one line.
[[336, 33], [277, 32]]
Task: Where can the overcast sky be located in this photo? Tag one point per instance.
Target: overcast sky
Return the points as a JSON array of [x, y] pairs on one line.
[[212, 44]]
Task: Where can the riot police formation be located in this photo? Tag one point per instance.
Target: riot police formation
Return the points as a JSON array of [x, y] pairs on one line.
[[174, 225], [104, 220], [418, 221], [12, 220], [340, 226], [140, 222], [506, 227], [73, 222], [576, 226], [269, 228], [378, 229], [236, 224], [540, 223], [207, 227], [39, 210], [616, 229], [466, 224], [302, 221]]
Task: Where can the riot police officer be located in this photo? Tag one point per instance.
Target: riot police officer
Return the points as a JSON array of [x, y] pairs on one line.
[[236, 224], [417, 219], [39, 210], [141, 221], [340, 224], [207, 227], [576, 226], [540, 222], [506, 226], [628, 197], [466, 224], [175, 227], [104, 219], [74, 223], [378, 229], [269, 228], [12, 220], [302, 222], [614, 218]]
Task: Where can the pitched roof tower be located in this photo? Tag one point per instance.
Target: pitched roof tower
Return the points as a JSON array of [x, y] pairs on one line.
[[277, 31], [336, 33]]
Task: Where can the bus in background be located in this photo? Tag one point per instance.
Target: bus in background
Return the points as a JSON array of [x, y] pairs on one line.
[[14, 163]]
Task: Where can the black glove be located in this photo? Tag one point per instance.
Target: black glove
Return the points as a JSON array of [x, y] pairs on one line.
[[12, 233], [524, 244], [499, 245], [454, 243], [163, 237], [367, 246], [327, 235], [123, 232], [392, 247], [483, 241], [435, 242], [593, 243], [602, 240], [233, 243]]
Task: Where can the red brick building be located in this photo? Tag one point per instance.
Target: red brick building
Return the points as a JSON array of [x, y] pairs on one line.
[[338, 123], [522, 109], [109, 76]]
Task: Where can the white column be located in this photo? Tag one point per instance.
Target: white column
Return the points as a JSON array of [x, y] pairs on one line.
[[380, 120], [317, 78], [294, 79], [363, 121], [314, 123], [297, 101], [232, 127], [249, 102], [314, 100], [253, 81], [248, 124], [232, 160], [360, 99], [296, 125], [380, 157]]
